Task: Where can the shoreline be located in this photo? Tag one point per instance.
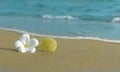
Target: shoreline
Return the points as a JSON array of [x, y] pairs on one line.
[[63, 37], [71, 55]]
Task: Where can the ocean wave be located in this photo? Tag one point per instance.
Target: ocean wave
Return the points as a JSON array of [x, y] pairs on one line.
[[72, 17], [45, 16], [64, 37], [68, 17], [60, 17]]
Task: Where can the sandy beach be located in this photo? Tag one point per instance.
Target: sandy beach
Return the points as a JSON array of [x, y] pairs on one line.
[[71, 55]]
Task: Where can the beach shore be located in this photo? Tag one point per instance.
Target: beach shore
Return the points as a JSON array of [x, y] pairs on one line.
[[71, 55]]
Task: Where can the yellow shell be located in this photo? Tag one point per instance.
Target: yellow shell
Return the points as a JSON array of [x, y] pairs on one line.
[[48, 44]]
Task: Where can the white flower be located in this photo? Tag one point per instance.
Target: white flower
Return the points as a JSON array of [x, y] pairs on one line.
[[25, 44]]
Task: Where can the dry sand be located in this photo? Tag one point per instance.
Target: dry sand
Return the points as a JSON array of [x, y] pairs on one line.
[[72, 55]]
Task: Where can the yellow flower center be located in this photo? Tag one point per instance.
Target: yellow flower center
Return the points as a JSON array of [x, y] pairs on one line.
[[26, 45]]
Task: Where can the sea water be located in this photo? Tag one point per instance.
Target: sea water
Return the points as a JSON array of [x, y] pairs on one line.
[[63, 18]]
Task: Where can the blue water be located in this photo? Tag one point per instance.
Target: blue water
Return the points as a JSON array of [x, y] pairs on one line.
[[74, 18]]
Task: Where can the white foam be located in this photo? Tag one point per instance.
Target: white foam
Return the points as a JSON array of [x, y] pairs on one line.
[[59, 17], [64, 37], [116, 19]]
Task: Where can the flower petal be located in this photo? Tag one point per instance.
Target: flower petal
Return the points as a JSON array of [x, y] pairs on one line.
[[22, 50], [18, 44], [25, 38], [32, 50], [33, 43]]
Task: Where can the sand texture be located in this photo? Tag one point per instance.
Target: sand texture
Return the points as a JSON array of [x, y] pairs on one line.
[[71, 55]]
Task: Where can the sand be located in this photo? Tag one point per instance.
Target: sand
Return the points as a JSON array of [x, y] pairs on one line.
[[71, 55]]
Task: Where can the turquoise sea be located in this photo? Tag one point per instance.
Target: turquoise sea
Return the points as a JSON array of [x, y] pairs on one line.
[[65, 18]]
